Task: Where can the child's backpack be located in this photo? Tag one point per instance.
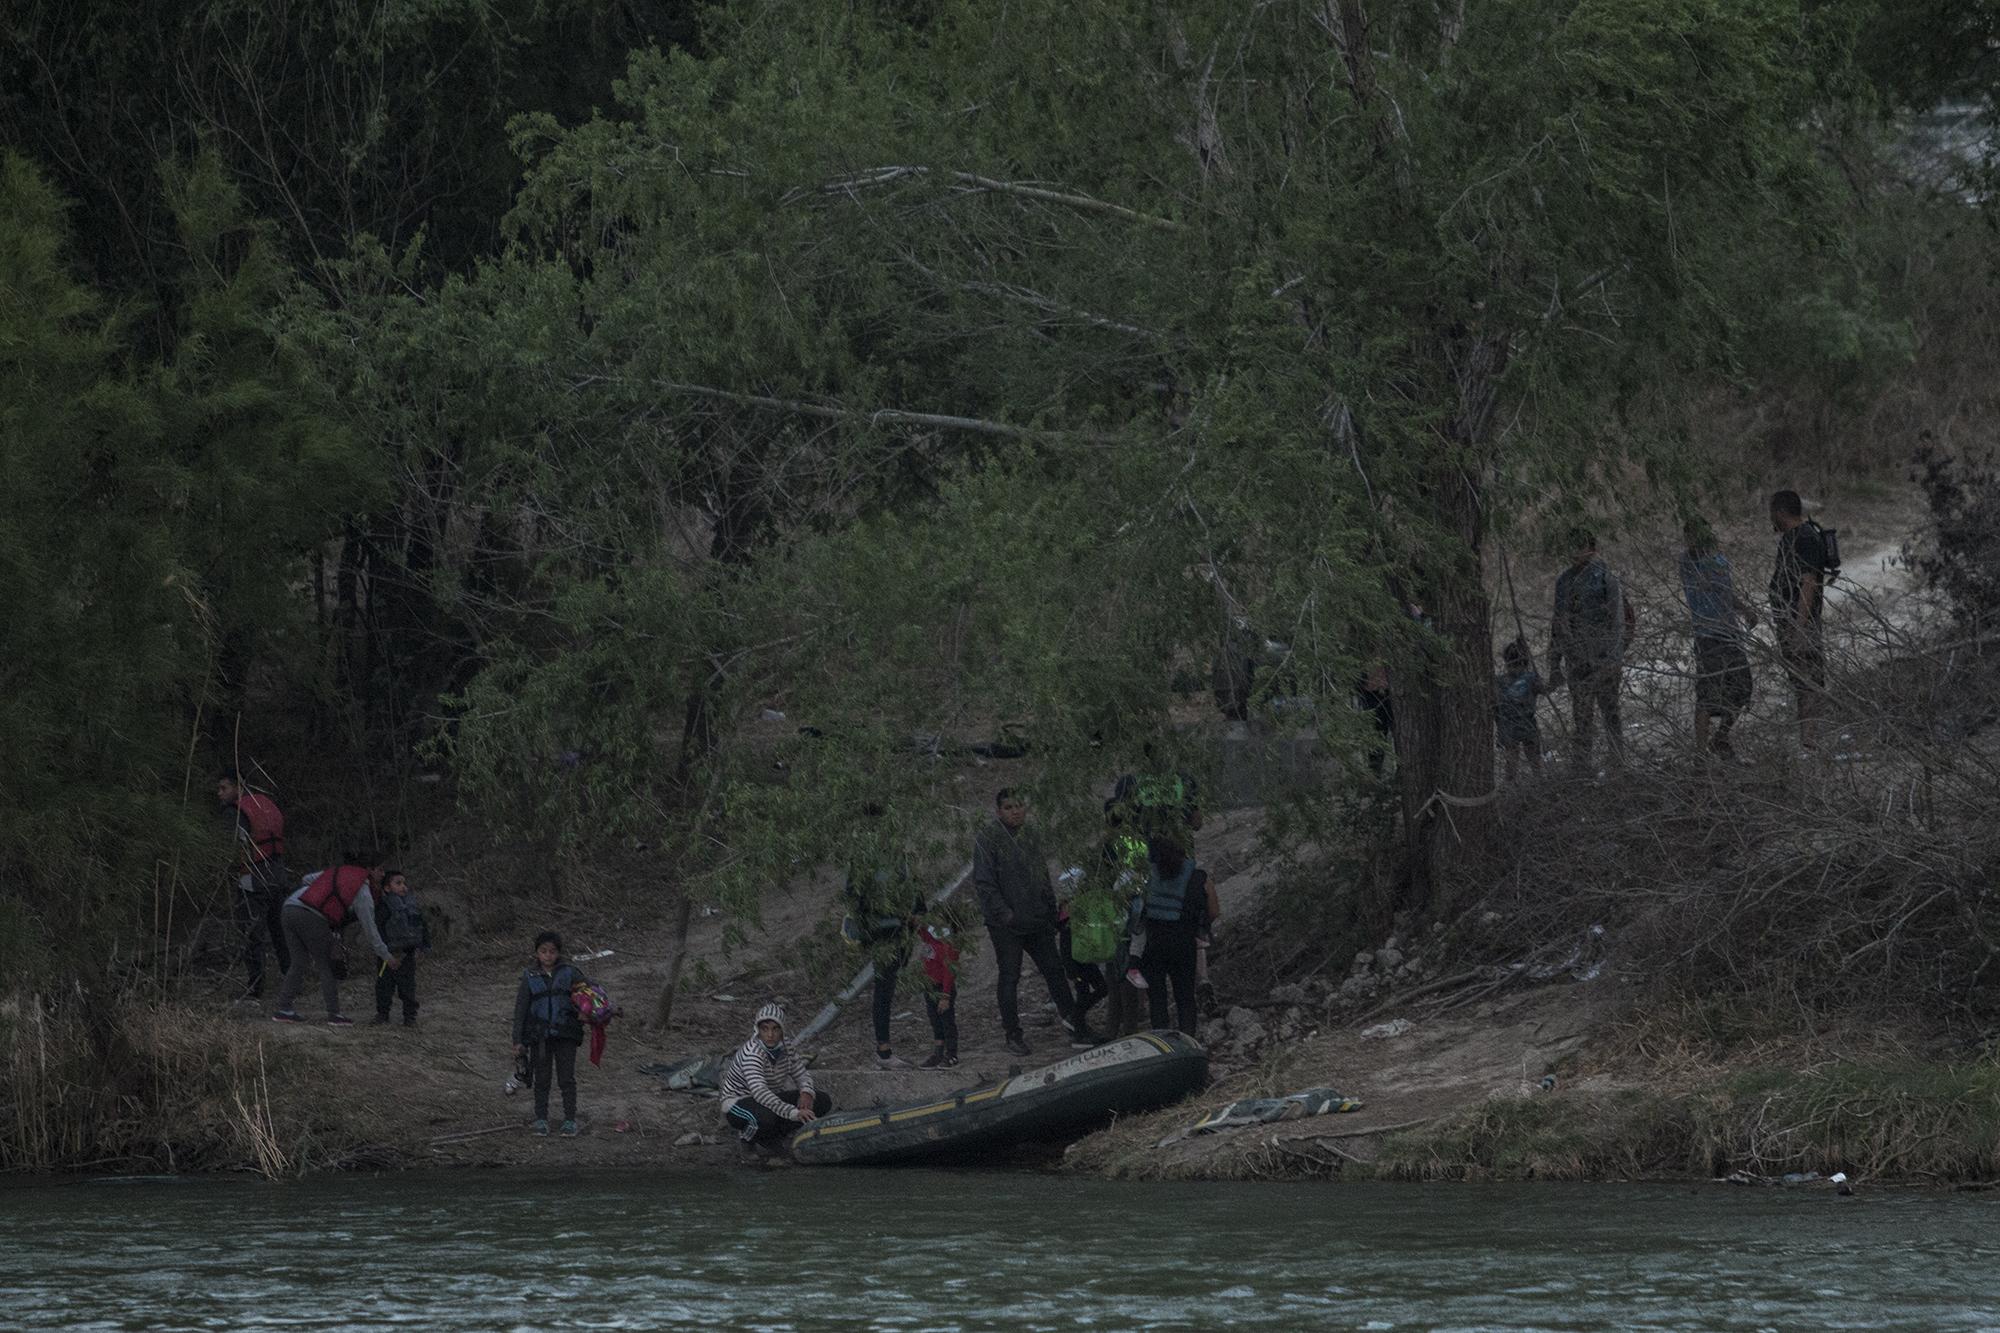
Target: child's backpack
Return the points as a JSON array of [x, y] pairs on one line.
[[1829, 540], [1093, 926], [594, 1007]]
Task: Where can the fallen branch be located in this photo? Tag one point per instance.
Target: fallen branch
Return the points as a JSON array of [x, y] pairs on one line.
[[891, 416], [1442, 983], [471, 1134]]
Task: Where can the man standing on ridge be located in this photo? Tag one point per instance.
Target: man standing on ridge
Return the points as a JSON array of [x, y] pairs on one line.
[[1588, 632], [1721, 618], [1798, 595], [261, 880], [1010, 874]]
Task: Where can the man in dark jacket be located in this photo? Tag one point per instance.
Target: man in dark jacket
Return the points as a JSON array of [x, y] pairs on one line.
[[1010, 874], [1592, 623]]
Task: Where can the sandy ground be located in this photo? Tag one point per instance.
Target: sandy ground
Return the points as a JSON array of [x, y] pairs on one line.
[[433, 1093]]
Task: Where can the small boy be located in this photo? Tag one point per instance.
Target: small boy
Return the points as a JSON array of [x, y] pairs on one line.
[[1516, 689], [940, 959], [400, 920]]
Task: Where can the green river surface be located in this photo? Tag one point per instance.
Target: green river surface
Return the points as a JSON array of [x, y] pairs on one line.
[[908, 1250]]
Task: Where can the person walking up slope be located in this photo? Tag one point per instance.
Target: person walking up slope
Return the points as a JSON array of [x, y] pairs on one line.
[[1592, 623]]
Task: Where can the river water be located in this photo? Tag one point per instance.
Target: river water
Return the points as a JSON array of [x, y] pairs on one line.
[[915, 1251]]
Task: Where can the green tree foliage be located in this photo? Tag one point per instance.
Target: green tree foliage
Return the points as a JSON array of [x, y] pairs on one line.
[[1011, 363], [927, 369], [338, 119], [155, 510]]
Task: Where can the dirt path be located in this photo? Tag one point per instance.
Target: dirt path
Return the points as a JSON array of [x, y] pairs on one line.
[[1432, 1069]]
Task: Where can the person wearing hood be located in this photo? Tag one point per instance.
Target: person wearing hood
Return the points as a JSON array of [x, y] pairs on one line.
[[767, 1091]]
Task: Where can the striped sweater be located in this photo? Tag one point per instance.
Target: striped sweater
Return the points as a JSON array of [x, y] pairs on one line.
[[756, 1073]]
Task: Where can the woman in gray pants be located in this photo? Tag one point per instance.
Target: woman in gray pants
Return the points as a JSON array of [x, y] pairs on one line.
[[313, 917]]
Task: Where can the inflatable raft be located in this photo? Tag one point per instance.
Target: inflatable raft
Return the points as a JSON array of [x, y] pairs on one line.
[[1048, 1105]]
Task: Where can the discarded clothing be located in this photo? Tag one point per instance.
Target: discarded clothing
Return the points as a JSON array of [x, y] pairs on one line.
[[697, 1073], [1267, 1110]]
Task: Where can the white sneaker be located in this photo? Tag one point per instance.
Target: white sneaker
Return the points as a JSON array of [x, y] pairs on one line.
[[1136, 979], [892, 1062]]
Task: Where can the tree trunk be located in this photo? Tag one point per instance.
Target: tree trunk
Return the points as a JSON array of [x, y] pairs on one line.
[[663, 1008], [1444, 717]]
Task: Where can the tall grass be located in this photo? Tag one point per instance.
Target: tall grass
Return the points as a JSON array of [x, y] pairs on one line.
[[147, 1087]]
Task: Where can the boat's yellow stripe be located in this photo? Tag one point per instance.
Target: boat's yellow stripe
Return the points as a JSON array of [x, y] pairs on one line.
[[1163, 1047], [916, 1111], [823, 1131], [993, 1091]]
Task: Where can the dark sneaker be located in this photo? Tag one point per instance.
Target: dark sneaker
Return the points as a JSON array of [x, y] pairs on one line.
[[380, 1019], [937, 1061], [339, 1021], [287, 1016], [569, 1129], [541, 1127], [1016, 1046], [410, 1021], [1081, 1038]]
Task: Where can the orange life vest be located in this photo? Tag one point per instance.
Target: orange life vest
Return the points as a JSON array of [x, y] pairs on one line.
[[333, 893], [266, 826]]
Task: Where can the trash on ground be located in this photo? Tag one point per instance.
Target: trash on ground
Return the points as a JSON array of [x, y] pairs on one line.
[[693, 1140], [1266, 1111], [1395, 1027], [587, 957], [723, 999]]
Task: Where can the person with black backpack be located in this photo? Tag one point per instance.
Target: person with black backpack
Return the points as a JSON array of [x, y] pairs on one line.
[[1808, 559]]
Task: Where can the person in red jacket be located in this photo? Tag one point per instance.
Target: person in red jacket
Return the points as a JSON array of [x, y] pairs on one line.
[[260, 878], [940, 960], [318, 910]]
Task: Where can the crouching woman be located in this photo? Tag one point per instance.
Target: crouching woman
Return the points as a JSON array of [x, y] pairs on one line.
[[767, 1091]]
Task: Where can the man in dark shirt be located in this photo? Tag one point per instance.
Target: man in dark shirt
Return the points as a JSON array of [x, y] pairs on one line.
[[1721, 619], [1587, 636], [1010, 875], [1798, 594]]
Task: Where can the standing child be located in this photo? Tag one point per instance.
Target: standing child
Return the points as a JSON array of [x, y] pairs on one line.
[[547, 1028], [1516, 689], [401, 922], [940, 960]]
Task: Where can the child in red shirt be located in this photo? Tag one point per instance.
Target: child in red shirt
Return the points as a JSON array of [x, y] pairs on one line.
[[940, 960]]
